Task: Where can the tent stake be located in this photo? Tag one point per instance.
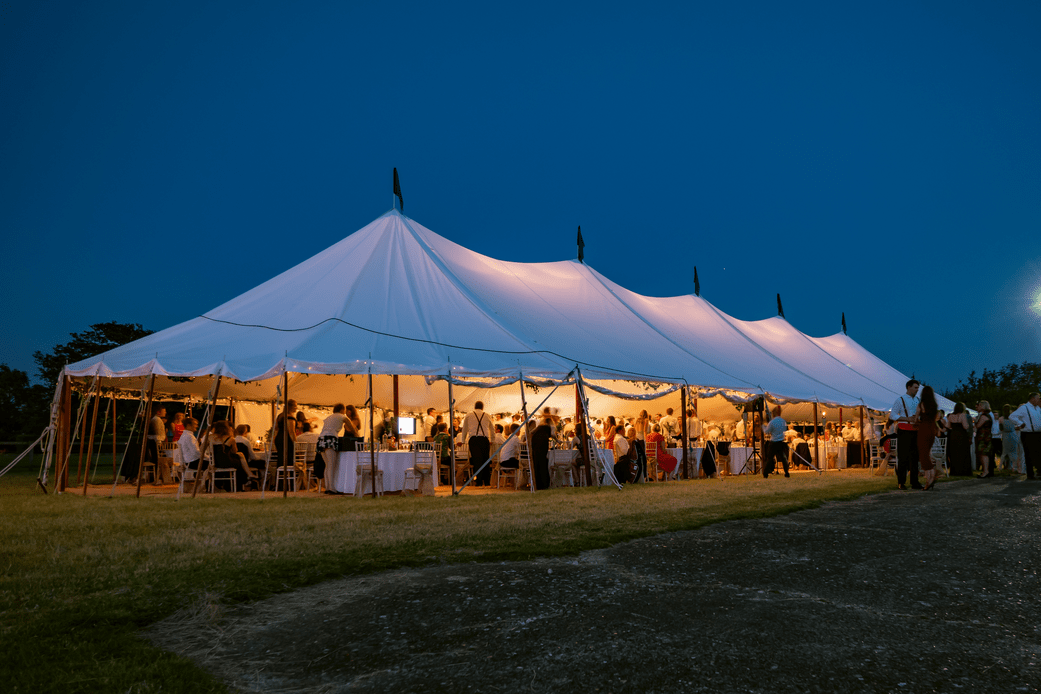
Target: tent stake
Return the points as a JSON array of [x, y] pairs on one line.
[[144, 434]]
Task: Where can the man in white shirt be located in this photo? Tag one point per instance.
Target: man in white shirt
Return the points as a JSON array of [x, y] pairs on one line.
[[428, 424], [1027, 418], [477, 432], [669, 425], [902, 412]]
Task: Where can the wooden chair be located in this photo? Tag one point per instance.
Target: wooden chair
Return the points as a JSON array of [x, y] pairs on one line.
[[651, 452], [363, 480]]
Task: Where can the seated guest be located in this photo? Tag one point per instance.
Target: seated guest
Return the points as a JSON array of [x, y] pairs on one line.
[[509, 455], [442, 438], [308, 436], [227, 456], [245, 447], [656, 445], [177, 426], [188, 453]]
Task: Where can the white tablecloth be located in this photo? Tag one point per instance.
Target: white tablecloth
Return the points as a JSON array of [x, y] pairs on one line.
[[342, 476], [840, 450], [738, 457]]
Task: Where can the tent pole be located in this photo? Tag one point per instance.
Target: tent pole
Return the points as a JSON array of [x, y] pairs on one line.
[[451, 428], [144, 434], [93, 430], [207, 420], [862, 448], [64, 429], [114, 471], [527, 441], [372, 435], [284, 445], [394, 431], [683, 429], [583, 441], [816, 438], [83, 439]]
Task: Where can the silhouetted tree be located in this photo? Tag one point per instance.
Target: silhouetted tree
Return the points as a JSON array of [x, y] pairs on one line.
[[1010, 384]]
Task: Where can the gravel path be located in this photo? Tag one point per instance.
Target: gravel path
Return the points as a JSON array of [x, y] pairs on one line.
[[901, 592]]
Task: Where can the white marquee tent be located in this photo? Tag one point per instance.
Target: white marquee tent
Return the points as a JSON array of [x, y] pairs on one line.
[[394, 298]]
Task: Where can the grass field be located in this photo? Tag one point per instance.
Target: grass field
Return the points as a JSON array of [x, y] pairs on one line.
[[80, 576]]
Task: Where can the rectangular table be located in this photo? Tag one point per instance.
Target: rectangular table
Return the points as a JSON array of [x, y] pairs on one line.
[[343, 475]]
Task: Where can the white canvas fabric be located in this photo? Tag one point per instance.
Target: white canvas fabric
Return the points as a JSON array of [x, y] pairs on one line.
[[396, 298]]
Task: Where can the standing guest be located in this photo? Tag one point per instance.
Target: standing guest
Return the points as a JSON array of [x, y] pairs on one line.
[[693, 425], [959, 442], [156, 435], [640, 430], [984, 433], [778, 450], [927, 413], [177, 426], [284, 431], [477, 432], [538, 449], [902, 413], [669, 425], [1011, 447], [329, 439], [610, 427], [429, 421], [1028, 419]]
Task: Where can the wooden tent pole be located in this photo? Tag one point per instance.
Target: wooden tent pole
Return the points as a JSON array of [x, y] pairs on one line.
[[114, 471], [284, 445], [372, 436], [683, 430], [583, 440], [394, 431], [816, 438], [144, 435], [527, 441], [451, 428], [64, 434], [207, 419], [93, 430], [83, 438]]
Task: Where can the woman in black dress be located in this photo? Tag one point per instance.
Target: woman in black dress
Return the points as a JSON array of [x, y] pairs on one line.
[[959, 441]]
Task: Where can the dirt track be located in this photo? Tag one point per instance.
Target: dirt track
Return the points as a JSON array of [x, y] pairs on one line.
[[902, 592]]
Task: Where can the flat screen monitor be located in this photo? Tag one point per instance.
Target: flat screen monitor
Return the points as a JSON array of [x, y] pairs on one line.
[[406, 426]]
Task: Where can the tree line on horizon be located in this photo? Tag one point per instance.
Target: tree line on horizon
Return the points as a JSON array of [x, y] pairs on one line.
[[25, 404]]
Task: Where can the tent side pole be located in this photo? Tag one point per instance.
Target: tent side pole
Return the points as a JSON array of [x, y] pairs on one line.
[[207, 419], [64, 431], [145, 434], [83, 440], [683, 430], [583, 441], [397, 414], [114, 471], [451, 428], [93, 430], [816, 438], [527, 441], [372, 435], [863, 448], [284, 446]]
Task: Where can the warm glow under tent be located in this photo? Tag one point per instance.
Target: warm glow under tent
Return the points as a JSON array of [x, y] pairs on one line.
[[394, 298]]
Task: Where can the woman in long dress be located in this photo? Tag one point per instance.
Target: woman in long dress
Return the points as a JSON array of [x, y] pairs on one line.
[[959, 442], [927, 415], [984, 423]]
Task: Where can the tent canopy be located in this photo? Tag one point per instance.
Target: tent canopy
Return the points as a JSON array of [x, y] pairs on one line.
[[396, 298]]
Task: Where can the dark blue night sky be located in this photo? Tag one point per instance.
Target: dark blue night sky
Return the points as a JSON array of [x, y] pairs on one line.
[[880, 159]]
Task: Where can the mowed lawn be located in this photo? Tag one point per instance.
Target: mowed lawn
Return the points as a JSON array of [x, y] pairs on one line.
[[80, 576]]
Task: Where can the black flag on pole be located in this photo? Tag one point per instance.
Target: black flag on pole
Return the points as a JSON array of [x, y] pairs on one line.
[[780, 309], [397, 190], [581, 244], [843, 322], [697, 285]]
